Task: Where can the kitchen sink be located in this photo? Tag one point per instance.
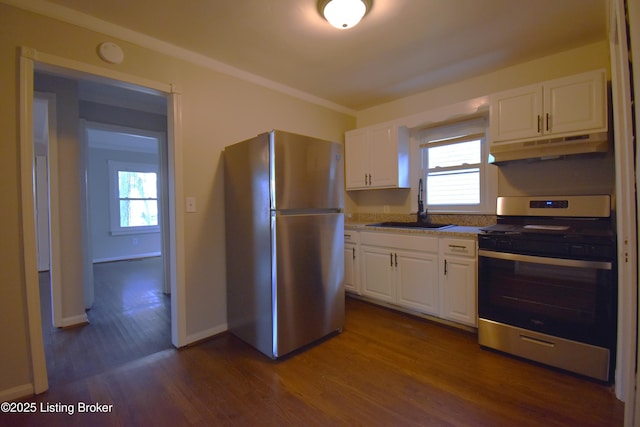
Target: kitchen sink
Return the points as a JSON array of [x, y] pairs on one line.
[[398, 224]]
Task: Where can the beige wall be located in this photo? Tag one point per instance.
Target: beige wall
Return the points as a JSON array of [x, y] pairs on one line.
[[574, 61], [217, 110], [575, 176]]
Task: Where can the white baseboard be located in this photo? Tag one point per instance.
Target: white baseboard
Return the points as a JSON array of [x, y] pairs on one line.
[[18, 392], [127, 257], [206, 334], [80, 319]]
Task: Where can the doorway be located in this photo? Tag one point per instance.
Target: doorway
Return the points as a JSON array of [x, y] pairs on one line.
[[122, 297], [172, 246]]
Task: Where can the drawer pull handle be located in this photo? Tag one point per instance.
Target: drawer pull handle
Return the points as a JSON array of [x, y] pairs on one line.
[[458, 247], [537, 341]]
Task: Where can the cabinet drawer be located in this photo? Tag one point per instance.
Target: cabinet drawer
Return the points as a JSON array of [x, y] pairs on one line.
[[459, 247], [351, 237]]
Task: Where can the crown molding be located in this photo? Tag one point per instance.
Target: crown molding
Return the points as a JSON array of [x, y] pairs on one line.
[[71, 16]]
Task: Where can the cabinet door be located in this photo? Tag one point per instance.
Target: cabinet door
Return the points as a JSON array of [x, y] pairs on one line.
[[377, 273], [516, 114], [350, 268], [383, 155], [575, 104], [356, 160], [417, 278], [458, 287]]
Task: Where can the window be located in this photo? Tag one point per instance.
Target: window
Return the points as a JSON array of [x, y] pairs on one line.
[[134, 197], [455, 168]]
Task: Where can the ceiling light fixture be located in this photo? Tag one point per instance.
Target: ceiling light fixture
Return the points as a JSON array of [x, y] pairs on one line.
[[343, 14]]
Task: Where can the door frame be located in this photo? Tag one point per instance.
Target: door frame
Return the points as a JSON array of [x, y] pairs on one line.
[[626, 209], [31, 60], [55, 278]]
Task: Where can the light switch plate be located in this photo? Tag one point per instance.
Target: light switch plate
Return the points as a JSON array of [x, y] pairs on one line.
[[191, 204]]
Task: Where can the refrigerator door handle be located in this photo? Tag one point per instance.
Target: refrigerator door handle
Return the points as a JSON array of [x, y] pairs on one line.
[[329, 211]]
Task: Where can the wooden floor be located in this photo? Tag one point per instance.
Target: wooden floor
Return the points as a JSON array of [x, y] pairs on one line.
[[384, 369], [130, 319]]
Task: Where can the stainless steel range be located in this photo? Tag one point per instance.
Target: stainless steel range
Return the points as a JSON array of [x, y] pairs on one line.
[[547, 286]]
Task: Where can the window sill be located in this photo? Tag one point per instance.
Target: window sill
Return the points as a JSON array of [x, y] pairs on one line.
[[136, 230]]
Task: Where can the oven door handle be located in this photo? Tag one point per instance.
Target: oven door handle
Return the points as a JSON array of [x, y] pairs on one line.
[[600, 265]]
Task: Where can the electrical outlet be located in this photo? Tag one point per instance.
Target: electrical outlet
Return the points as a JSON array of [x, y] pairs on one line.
[[386, 209]]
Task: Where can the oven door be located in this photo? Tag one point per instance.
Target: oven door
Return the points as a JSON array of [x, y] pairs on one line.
[[568, 298]]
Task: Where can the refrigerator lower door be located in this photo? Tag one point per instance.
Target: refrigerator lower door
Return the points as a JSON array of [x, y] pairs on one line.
[[308, 278]]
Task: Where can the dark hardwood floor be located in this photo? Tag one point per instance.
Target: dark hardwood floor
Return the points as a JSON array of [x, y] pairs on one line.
[[384, 369], [130, 319]]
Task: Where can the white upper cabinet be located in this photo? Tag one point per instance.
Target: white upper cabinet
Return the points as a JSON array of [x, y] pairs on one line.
[[516, 114], [377, 157], [356, 159], [568, 106], [576, 104]]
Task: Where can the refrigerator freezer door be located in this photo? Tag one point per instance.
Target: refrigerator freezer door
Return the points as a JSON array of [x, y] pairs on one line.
[[308, 276], [307, 173]]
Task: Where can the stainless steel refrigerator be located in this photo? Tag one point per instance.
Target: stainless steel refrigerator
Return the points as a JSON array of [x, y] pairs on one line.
[[284, 202]]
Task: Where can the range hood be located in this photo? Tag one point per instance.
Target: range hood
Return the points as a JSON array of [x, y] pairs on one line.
[[550, 148]]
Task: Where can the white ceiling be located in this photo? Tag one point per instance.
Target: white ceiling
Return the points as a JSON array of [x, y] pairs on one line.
[[401, 47]]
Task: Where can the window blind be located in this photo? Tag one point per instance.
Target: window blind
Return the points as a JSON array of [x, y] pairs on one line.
[[455, 132], [452, 163]]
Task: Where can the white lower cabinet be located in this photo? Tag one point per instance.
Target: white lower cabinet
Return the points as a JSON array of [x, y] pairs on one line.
[[428, 274], [458, 279], [401, 269], [417, 274], [351, 262], [378, 273]]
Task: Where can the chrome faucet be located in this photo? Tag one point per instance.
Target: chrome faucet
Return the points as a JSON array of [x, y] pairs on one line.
[[422, 213]]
